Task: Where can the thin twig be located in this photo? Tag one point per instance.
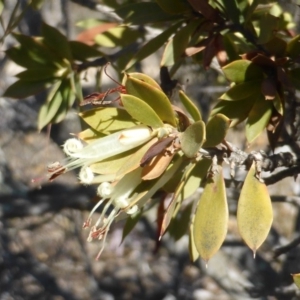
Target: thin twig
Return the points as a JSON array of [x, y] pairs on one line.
[[286, 248]]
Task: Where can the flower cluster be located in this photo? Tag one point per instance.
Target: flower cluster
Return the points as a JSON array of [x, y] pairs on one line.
[[132, 150], [116, 193]]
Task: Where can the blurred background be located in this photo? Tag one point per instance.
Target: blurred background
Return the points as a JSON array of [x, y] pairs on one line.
[[43, 249]]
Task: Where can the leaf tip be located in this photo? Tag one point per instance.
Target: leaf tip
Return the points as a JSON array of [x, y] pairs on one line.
[[206, 264]]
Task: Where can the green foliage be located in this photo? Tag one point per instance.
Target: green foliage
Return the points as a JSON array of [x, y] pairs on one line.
[[216, 130], [141, 111], [48, 65], [153, 96], [141, 143], [107, 120], [193, 138]]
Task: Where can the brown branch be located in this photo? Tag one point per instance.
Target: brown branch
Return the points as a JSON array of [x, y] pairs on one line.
[[286, 248], [292, 171]]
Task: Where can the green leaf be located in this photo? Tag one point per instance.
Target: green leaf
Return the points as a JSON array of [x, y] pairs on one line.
[[175, 49], [89, 23], [82, 52], [236, 111], [190, 106], [242, 70], [23, 89], [211, 218], [89, 135], [277, 102], [180, 225], [296, 278], [193, 138], [153, 97], [131, 221], [112, 164], [216, 130], [117, 36], [57, 42], [250, 9], [141, 111], [61, 112], [68, 97], [258, 119], [195, 178], [39, 74], [231, 8], [76, 85], [22, 58], [107, 119], [174, 6], [194, 254], [268, 25], [142, 77], [230, 47], [293, 47], [242, 90], [50, 108], [143, 13], [254, 213], [153, 45], [36, 51]]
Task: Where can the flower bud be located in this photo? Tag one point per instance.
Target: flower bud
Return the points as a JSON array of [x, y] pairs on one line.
[[86, 175], [132, 210], [72, 146], [104, 190]]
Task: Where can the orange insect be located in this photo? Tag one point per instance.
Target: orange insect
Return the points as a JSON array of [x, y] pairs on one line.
[[100, 98]]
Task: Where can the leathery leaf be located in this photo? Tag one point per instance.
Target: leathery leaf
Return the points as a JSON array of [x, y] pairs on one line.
[[258, 118], [216, 130], [194, 255], [142, 77], [254, 213], [211, 218], [154, 97], [242, 70], [192, 139], [107, 119], [190, 106], [141, 111]]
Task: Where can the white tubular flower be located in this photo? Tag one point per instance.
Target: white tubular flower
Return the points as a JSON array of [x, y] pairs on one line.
[[72, 146], [109, 146], [115, 143], [135, 135], [86, 175], [118, 197]]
